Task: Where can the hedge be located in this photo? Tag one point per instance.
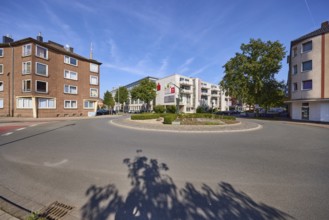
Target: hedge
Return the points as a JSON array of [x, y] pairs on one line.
[[206, 115], [169, 118], [145, 116]]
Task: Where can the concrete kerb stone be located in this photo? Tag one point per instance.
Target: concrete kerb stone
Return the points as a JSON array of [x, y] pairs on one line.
[[240, 127]]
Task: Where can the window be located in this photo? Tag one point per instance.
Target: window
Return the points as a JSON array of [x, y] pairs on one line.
[[93, 92], [70, 104], [294, 71], [41, 52], [307, 85], [46, 103], [307, 66], [41, 69], [93, 68], [26, 67], [94, 80], [24, 103], [41, 86], [89, 104], [27, 50], [1, 52], [26, 85], [307, 46], [70, 60], [70, 75], [1, 86], [294, 52], [1, 68], [70, 89], [1, 103], [294, 87]]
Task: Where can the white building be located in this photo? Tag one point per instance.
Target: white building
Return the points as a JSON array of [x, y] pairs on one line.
[[191, 93], [133, 105], [308, 78]]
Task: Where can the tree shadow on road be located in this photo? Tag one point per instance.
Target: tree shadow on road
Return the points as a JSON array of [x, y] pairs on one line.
[[154, 196]]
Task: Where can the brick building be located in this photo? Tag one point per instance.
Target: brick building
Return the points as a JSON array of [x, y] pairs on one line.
[[46, 79]]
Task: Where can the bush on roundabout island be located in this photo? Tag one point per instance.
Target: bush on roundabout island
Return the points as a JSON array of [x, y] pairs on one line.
[[169, 118], [159, 109]]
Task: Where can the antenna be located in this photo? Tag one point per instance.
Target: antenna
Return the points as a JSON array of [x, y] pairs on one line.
[[91, 51]]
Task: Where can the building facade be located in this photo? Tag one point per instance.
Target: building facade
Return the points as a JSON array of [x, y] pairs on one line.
[[134, 106], [46, 79], [191, 93], [308, 78]]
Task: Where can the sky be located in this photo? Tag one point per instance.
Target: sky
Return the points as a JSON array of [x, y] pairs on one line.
[[138, 38]]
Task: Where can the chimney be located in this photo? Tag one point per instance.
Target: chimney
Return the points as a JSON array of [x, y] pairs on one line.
[[7, 39], [39, 37], [71, 49], [325, 24]]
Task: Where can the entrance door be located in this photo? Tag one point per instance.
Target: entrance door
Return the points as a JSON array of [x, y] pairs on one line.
[[305, 111]]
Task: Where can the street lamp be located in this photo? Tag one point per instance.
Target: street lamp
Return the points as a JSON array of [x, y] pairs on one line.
[[212, 107], [179, 95]]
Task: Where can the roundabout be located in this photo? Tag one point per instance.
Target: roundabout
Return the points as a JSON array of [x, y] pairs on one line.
[[157, 126]]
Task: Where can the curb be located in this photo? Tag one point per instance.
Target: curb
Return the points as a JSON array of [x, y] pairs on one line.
[[187, 131]]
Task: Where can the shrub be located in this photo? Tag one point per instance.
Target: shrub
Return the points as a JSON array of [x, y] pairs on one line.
[[171, 109], [202, 109], [159, 109], [145, 116], [169, 118]]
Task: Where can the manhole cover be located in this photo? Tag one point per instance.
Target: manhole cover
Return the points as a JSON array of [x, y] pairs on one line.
[[55, 211]]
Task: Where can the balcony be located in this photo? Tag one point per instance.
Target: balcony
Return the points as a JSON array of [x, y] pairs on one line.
[[186, 91]]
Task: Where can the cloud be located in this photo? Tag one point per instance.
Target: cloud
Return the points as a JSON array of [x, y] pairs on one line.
[[185, 66]]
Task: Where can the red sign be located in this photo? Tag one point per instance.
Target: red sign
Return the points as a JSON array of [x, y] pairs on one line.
[[158, 87], [172, 90]]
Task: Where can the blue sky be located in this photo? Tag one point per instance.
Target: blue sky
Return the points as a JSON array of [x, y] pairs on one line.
[[138, 38]]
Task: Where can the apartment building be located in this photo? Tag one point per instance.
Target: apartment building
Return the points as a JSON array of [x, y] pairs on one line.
[[133, 105], [308, 78], [46, 79], [190, 93]]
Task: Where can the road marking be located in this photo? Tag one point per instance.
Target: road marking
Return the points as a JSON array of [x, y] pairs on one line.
[[6, 134], [47, 164], [19, 129], [33, 125]]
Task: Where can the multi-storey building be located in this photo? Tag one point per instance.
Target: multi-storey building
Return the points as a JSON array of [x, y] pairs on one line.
[[308, 78], [46, 79], [134, 105], [191, 92]]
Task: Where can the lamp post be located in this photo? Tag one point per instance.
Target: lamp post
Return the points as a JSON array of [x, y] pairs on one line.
[[179, 95], [212, 108]]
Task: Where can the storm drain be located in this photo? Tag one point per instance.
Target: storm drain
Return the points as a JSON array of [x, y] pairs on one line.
[[56, 211]]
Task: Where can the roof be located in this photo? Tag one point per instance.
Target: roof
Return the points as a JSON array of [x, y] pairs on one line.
[[323, 30], [50, 45]]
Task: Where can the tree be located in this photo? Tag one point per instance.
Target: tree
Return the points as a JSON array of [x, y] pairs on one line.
[[249, 72], [108, 99], [121, 95], [145, 91], [273, 94]]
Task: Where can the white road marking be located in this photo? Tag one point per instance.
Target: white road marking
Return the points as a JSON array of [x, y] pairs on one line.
[[19, 129], [33, 125], [6, 134], [48, 164]]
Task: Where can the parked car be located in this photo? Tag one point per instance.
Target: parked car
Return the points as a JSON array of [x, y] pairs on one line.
[[102, 112]]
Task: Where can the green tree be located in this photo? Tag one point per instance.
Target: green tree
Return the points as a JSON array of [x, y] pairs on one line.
[[108, 99], [145, 91], [249, 72], [121, 95], [273, 94]]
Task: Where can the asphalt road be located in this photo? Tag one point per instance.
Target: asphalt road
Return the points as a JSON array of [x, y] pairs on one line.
[[278, 172]]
